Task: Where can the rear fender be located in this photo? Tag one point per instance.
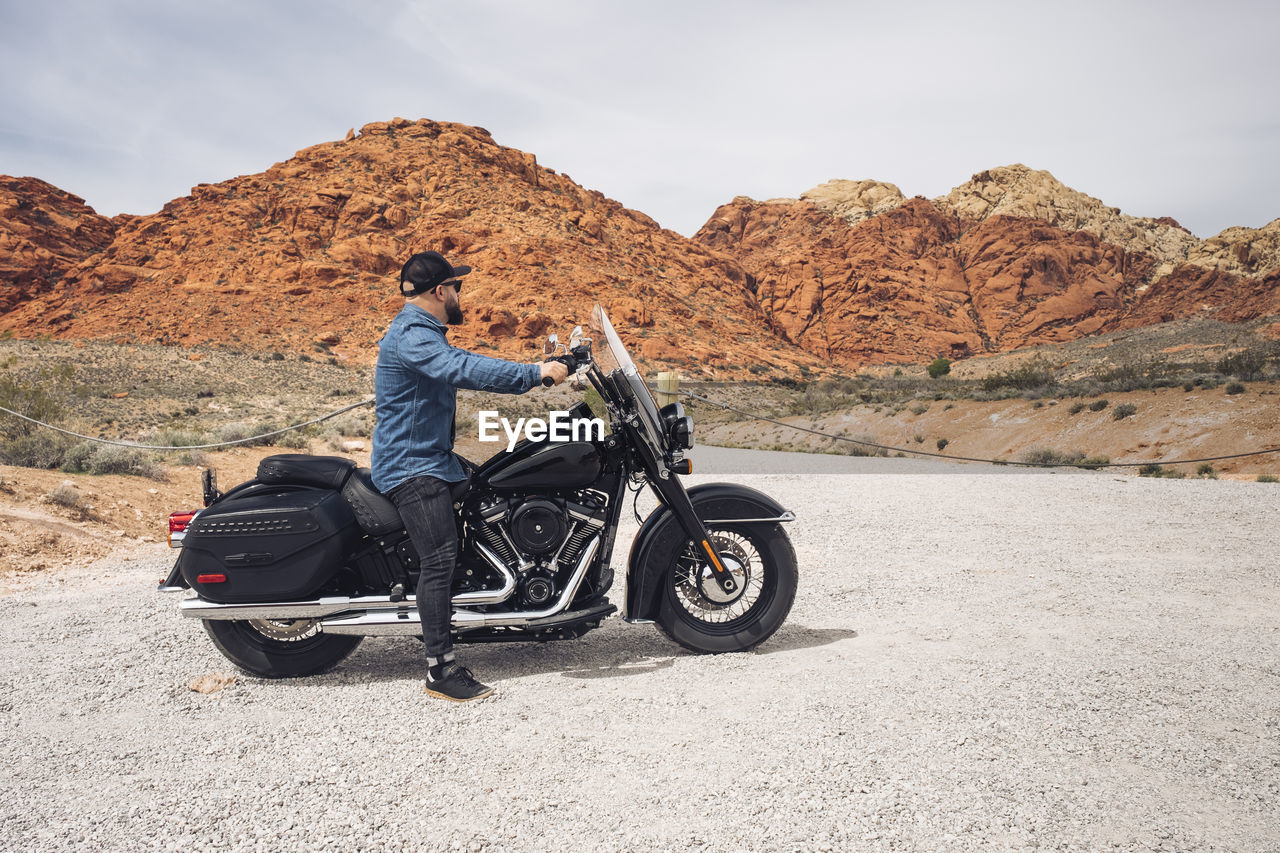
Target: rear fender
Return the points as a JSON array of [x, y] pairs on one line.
[[711, 502]]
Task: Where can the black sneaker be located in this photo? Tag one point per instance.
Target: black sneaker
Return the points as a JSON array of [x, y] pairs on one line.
[[456, 684]]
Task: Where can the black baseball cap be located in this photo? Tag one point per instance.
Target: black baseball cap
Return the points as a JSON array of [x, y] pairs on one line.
[[425, 271]]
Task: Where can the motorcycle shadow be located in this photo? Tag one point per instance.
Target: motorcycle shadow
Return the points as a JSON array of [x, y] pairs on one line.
[[615, 650]]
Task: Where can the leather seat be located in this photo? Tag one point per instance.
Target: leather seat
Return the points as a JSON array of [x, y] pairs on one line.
[[374, 513]]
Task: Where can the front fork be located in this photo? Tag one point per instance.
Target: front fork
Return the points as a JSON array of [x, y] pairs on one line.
[[671, 492]]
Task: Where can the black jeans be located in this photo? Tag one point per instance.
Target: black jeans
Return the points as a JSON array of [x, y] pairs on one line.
[[426, 507]]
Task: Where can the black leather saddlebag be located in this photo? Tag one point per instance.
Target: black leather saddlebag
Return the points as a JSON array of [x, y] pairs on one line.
[[269, 546]]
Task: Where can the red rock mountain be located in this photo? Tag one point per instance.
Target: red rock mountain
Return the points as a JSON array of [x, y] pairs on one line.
[[44, 232], [303, 257], [856, 273]]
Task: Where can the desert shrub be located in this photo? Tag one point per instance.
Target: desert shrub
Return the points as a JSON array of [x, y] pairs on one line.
[[175, 438], [76, 458], [109, 459], [1099, 405], [1155, 470], [1247, 364], [1234, 388], [1268, 478], [37, 450], [193, 458], [851, 448], [1122, 411], [942, 443], [351, 425], [234, 432], [939, 367], [1132, 376], [1047, 456], [67, 495], [1076, 408], [32, 400], [240, 432], [919, 409], [1033, 373], [1206, 470], [294, 439], [919, 438]]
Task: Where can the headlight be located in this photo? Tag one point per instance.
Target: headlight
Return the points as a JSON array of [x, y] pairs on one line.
[[678, 426]]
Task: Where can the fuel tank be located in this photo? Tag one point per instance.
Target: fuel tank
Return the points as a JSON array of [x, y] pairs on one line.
[[543, 464]]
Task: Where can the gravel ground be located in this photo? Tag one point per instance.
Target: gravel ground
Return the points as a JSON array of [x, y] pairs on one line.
[[974, 662]]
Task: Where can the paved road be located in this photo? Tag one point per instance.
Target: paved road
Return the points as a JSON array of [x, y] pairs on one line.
[[729, 460]]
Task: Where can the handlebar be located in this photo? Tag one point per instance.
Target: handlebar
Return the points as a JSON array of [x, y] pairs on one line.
[[575, 359], [567, 360]]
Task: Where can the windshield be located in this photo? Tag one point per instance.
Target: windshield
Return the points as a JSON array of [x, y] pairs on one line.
[[614, 361]]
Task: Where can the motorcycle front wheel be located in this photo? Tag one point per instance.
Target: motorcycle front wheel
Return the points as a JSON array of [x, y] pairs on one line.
[[697, 614], [273, 648]]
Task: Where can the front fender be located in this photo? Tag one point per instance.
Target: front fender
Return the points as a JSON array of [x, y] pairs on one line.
[[711, 502]]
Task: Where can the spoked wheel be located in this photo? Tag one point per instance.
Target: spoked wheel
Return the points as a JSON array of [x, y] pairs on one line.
[[279, 648], [700, 616]]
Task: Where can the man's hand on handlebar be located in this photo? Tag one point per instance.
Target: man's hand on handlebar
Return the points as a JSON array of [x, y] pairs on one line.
[[554, 372]]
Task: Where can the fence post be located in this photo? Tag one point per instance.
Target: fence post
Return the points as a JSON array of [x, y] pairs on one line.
[[668, 387]]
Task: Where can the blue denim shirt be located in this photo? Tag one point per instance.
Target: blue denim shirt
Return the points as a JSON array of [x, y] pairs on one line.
[[416, 385]]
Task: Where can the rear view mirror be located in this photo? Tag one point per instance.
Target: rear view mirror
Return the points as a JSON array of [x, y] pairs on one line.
[[549, 346]]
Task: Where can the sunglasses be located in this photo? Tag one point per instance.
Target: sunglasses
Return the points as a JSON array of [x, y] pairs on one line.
[[456, 284]]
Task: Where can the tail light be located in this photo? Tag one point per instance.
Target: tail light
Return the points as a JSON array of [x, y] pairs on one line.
[[178, 523]]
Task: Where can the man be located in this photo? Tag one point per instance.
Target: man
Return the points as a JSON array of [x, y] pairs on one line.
[[416, 385]]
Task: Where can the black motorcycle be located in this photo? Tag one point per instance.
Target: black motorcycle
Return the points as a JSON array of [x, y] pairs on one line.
[[294, 567]]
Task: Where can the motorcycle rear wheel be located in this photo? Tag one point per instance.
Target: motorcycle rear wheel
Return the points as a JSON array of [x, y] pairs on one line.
[[694, 612], [279, 649]]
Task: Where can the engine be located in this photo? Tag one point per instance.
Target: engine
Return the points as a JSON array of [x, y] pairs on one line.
[[539, 538]]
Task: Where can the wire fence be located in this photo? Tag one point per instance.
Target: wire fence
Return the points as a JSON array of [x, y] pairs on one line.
[[164, 447], [748, 414]]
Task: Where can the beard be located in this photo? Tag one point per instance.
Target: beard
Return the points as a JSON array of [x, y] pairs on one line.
[[453, 314]]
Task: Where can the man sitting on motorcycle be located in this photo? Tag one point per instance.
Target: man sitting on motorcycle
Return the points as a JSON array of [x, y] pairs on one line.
[[413, 464]]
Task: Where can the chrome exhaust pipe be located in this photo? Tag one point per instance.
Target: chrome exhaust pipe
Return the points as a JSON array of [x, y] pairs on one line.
[[382, 621], [486, 596], [198, 608]]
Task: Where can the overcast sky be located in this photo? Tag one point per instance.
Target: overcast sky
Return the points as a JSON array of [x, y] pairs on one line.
[[673, 108]]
